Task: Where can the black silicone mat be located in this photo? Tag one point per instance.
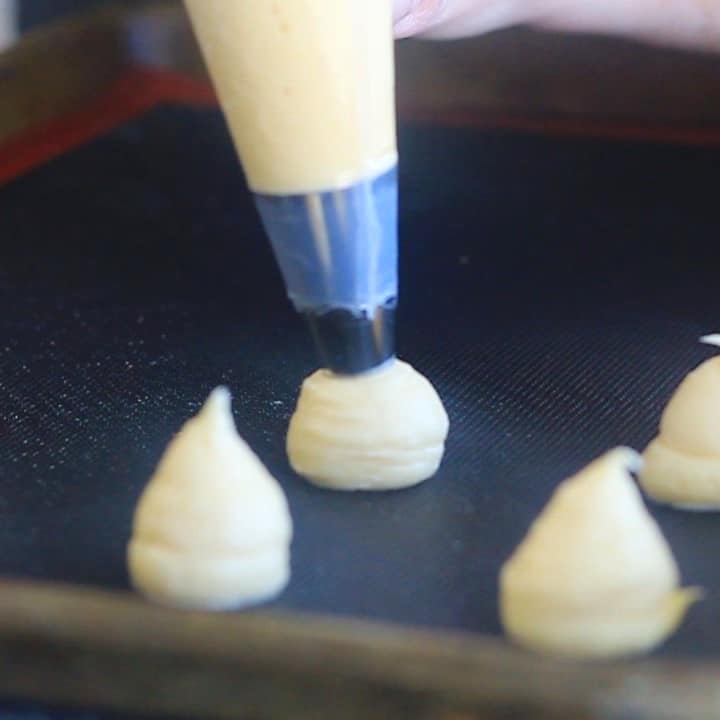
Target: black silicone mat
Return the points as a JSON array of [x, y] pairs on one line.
[[553, 290]]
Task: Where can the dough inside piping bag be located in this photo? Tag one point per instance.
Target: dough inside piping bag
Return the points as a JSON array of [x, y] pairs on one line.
[[682, 464], [382, 430], [212, 528], [594, 577]]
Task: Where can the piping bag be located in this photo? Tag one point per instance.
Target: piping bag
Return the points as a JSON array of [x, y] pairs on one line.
[[307, 89]]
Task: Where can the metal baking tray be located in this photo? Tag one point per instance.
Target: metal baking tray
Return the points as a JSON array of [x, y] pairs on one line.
[[554, 288]]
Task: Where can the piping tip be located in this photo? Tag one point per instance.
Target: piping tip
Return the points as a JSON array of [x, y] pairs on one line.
[[350, 344], [337, 251]]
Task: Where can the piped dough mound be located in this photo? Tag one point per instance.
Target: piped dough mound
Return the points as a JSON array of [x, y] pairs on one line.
[[682, 465], [594, 577], [212, 529], [379, 431]]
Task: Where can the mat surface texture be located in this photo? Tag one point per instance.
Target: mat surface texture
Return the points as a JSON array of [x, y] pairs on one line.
[[553, 290]]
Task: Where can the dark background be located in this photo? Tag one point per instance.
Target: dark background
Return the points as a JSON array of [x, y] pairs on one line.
[[38, 12]]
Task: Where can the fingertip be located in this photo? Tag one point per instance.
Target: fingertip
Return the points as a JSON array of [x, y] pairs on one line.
[[414, 17], [405, 27], [401, 9]]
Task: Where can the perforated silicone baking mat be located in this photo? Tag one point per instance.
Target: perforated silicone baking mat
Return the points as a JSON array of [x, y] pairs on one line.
[[553, 290]]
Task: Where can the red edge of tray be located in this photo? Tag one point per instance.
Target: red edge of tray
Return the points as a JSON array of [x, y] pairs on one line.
[[139, 89]]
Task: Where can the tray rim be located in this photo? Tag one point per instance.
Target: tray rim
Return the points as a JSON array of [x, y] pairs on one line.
[[112, 650]]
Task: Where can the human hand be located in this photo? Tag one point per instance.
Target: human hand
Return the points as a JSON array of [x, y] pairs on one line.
[[684, 23]]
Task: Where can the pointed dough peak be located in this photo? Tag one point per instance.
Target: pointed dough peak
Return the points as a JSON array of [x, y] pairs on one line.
[[713, 340]]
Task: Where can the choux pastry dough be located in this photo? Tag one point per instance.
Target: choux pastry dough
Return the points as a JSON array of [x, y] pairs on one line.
[[212, 529], [382, 430], [682, 464], [594, 577]]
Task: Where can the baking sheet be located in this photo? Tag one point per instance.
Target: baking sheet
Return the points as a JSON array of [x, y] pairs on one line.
[[552, 289]]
